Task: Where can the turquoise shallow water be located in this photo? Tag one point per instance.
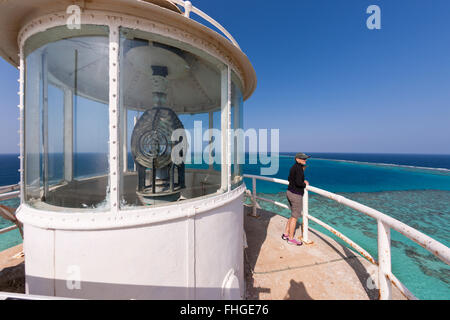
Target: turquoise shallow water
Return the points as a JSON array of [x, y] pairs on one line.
[[416, 196], [12, 238]]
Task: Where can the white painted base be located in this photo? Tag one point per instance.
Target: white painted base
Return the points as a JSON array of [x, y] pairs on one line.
[[197, 256]]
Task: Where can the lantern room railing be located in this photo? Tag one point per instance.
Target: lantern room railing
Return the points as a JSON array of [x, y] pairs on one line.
[[189, 8], [8, 193], [384, 222]]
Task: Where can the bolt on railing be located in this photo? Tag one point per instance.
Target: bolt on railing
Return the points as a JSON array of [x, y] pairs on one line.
[[384, 224]]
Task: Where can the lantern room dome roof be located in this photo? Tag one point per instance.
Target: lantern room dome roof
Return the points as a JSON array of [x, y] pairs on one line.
[[17, 15]]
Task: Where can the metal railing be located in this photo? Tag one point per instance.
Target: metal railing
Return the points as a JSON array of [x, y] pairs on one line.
[[189, 8], [384, 224], [7, 193]]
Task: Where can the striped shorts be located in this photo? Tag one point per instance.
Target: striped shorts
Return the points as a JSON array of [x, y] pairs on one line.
[[296, 204]]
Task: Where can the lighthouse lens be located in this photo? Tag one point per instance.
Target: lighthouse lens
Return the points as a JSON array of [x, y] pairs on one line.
[[171, 95], [153, 144]]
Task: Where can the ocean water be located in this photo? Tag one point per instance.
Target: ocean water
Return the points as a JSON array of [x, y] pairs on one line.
[[414, 189]]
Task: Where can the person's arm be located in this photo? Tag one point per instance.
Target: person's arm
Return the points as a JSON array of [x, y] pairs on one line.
[[300, 179]]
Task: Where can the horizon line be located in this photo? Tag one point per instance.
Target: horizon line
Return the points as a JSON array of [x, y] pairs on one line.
[[324, 152]]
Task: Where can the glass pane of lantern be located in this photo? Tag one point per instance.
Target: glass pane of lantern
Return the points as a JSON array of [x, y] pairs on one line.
[[171, 91], [55, 135], [66, 118]]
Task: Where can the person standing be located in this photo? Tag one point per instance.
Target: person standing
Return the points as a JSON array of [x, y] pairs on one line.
[[294, 194]]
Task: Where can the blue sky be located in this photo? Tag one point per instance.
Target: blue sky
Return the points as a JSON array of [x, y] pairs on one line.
[[325, 80]]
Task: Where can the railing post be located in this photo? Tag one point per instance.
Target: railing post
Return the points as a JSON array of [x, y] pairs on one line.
[[187, 8], [384, 261], [305, 238], [254, 214]]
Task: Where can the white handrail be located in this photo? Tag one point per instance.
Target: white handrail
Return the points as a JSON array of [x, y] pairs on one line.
[[9, 195], [12, 187], [6, 196], [384, 222], [188, 8], [438, 249], [9, 192], [7, 229]]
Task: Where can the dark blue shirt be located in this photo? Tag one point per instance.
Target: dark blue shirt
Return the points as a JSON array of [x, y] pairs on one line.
[[297, 179]]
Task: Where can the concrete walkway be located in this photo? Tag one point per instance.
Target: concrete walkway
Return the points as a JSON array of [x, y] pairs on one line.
[[324, 270], [12, 270]]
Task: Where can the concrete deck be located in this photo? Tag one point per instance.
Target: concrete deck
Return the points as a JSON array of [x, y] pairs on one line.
[[12, 270], [324, 270]]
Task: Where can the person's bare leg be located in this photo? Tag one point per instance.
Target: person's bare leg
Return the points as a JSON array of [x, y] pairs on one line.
[[292, 224], [286, 229]]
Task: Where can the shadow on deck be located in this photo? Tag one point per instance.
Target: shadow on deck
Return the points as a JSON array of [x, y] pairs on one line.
[[324, 270]]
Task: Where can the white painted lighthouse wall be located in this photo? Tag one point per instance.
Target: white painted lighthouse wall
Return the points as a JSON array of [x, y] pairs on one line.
[[134, 263], [219, 249], [38, 245], [164, 260]]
